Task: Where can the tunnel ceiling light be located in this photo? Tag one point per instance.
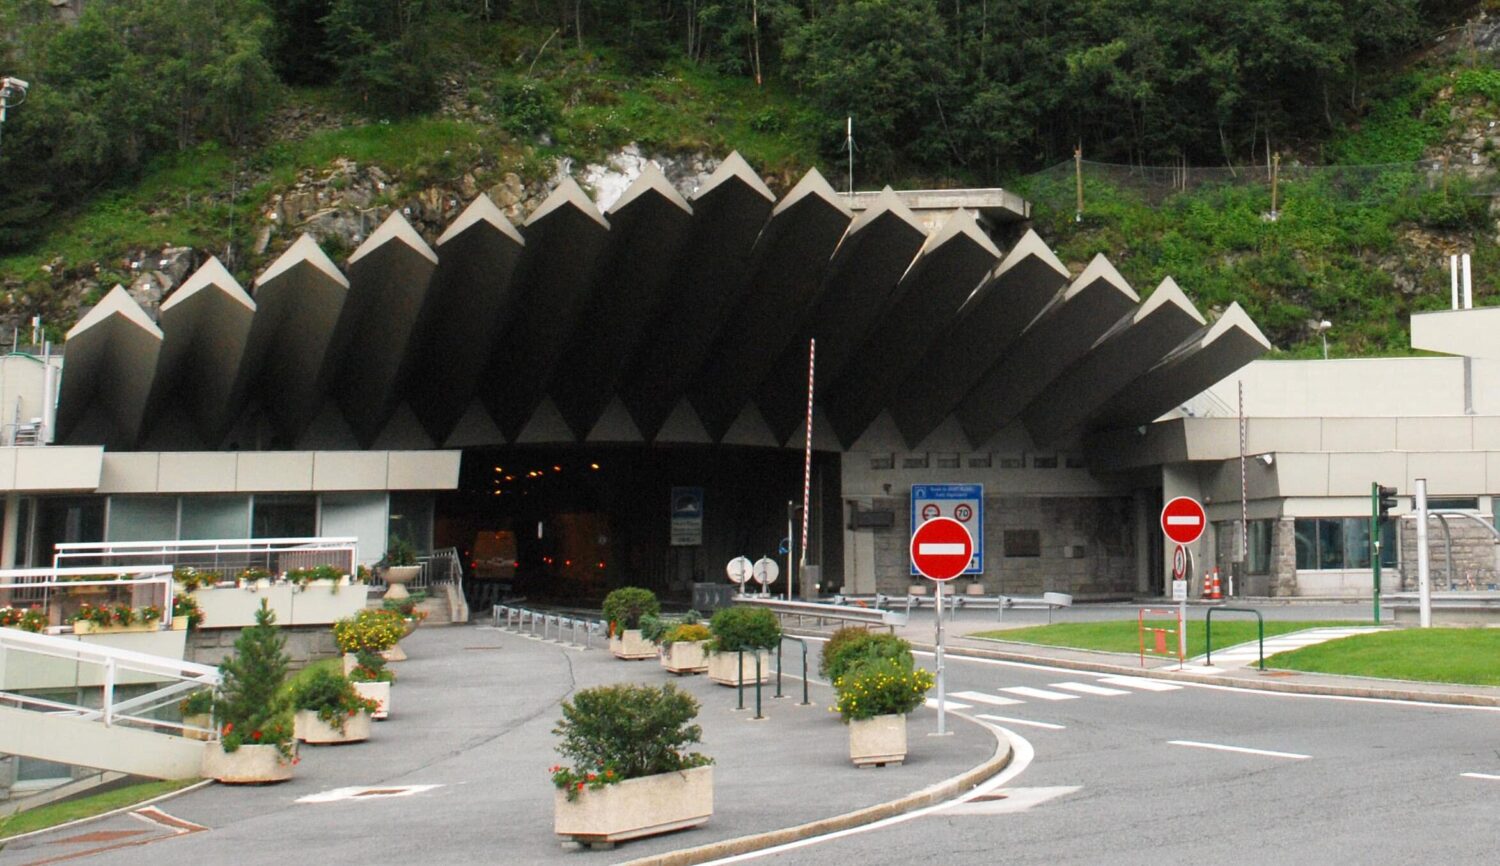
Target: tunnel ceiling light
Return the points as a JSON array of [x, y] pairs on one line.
[[593, 465], [557, 469]]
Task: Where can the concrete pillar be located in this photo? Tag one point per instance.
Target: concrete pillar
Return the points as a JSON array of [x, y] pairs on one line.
[[1176, 481], [9, 544], [1144, 522]]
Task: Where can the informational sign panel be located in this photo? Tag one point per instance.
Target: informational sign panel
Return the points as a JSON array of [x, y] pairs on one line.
[[1179, 590], [961, 502], [687, 516], [941, 548]]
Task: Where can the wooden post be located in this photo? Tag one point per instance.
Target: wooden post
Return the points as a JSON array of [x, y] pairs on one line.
[[1275, 180], [1078, 177]]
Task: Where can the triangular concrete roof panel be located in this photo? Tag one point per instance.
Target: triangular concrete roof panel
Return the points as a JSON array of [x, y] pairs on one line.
[[650, 181], [117, 303], [734, 168], [481, 209], [304, 249], [211, 274], [812, 184], [887, 203], [568, 194], [395, 228]]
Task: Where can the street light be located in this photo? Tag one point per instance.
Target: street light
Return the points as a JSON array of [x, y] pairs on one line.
[[1322, 329]]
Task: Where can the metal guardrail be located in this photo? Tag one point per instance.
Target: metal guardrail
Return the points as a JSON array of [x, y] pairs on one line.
[[826, 612], [181, 677], [225, 557], [541, 624]]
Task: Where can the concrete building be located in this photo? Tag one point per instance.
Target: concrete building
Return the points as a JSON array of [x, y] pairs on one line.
[[550, 394]]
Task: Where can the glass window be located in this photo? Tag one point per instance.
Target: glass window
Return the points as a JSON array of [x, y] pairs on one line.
[[1452, 503], [1389, 531], [209, 517], [411, 519], [915, 461], [280, 515], [1340, 542], [142, 518], [1330, 544], [980, 461], [1356, 542], [1048, 461], [1023, 542], [947, 461], [68, 520], [882, 461], [1258, 540], [1012, 463], [1307, 543]]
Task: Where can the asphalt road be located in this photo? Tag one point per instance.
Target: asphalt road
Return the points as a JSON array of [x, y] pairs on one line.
[[1112, 779]]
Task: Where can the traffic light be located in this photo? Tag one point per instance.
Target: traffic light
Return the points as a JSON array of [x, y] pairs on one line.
[[1387, 500]]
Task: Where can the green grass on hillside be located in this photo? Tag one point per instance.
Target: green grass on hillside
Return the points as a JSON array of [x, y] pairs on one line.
[[1123, 636], [54, 814], [1469, 656]]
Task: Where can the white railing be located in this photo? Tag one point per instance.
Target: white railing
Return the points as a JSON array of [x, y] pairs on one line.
[[39, 587], [226, 558], [438, 568], [115, 666]]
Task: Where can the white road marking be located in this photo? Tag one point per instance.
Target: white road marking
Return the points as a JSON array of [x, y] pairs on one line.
[[1196, 745], [1086, 689], [1465, 775], [366, 792], [1048, 725], [179, 827], [1141, 683], [1014, 800], [983, 698], [938, 548], [1022, 755], [1043, 694], [952, 705]]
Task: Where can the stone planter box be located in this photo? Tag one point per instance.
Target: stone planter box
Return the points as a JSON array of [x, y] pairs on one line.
[[631, 646], [247, 765], [396, 577], [878, 741], [83, 626], [320, 603], [723, 667], [378, 692], [636, 807], [685, 657], [312, 730]]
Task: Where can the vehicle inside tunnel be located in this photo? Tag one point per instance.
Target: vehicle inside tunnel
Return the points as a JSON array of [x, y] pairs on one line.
[[568, 524]]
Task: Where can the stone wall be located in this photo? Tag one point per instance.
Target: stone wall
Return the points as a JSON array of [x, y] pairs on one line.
[[1473, 555], [304, 644], [1087, 547]]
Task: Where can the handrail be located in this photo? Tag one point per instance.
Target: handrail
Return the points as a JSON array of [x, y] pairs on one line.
[[787, 637], [844, 613], [1208, 631], [34, 586]]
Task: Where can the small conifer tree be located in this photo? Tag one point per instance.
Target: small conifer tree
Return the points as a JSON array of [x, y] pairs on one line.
[[251, 707]]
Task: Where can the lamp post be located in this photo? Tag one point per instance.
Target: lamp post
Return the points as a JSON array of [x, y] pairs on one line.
[[12, 93], [1323, 327]]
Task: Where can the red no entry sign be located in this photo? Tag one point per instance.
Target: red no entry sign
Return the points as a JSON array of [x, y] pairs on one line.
[[941, 548], [1183, 520]]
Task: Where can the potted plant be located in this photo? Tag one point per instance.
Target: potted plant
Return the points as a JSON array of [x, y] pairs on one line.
[[330, 710], [255, 742], [629, 773], [874, 698], [186, 613], [682, 648], [372, 630], [197, 713], [255, 579], [399, 566], [30, 619], [740, 636], [851, 646], [372, 679], [623, 610]]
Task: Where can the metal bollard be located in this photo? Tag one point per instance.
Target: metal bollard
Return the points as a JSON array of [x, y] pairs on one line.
[[740, 676], [778, 669], [757, 685]]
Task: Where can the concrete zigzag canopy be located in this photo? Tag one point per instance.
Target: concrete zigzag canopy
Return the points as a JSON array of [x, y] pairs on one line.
[[664, 319]]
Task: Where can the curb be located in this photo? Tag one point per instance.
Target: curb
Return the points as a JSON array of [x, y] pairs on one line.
[[110, 814], [1379, 693], [932, 794]]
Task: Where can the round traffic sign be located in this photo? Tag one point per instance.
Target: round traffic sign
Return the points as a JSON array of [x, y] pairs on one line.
[[1179, 562], [739, 569], [766, 571], [941, 548], [931, 510], [1183, 520], [963, 512]]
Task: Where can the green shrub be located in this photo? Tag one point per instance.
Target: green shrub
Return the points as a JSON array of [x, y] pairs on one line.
[[370, 629], [653, 627], [835, 644], [526, 107], [330, 694], [370, 668], [199, 703], [685, 632], [861, 649], [250, 705], [625, 606], [614, 733], [881, 687], [744, 628]]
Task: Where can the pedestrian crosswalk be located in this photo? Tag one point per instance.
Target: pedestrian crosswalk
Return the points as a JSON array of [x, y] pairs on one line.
[[1104, 687]]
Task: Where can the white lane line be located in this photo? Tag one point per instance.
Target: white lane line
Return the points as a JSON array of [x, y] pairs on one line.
[[1048, 725], [1222, 748], [952, 705], [1141, 683], [1022, 755], [1042, 694], [1086, 689], [983, 698], [1465, 775]]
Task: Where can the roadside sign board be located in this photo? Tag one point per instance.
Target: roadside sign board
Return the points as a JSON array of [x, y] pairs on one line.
[[963, 503], [1179, 590], [1183, 520], [941, 548], [687, 516]]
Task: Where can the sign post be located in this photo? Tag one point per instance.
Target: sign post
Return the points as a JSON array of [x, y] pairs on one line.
[[941, 549], [1183, 521]]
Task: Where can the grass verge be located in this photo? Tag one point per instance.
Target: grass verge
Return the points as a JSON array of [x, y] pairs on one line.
[[1122, 636], [54, 814], [1465, 656]]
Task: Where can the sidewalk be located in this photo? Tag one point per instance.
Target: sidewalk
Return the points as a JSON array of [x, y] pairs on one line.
[[472, 717], [921, 632]]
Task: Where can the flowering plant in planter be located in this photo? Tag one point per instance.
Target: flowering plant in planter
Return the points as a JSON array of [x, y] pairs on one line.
[[301, 577], [250, 702], [188, 578], [27, 619], [852, 646], [199, 703], [121, 614], [330, 695], [614, 733], [186, 605], [373, 630], [149, 613], [370, 667], [96, 614], [881, 687], [625, 607]]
